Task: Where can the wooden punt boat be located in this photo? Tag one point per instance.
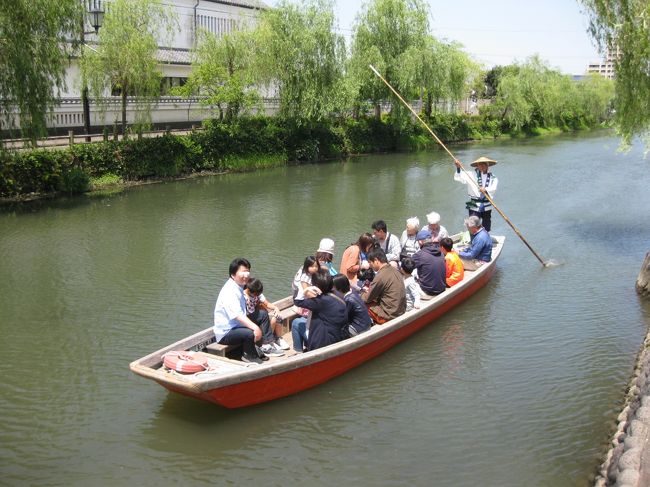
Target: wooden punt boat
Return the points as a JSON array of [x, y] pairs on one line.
[[232, 383]]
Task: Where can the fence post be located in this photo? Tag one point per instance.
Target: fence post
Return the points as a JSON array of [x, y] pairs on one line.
[[71, 136]]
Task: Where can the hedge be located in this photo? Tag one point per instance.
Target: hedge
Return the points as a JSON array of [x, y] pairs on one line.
[[240, 145]]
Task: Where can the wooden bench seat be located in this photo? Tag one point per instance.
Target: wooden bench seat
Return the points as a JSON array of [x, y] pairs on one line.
[[215, 348]]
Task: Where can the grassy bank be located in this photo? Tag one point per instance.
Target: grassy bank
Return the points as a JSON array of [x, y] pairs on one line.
[[245, 144]]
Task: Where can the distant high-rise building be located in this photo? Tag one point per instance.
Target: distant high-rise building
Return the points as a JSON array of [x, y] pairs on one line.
[[606, 66]]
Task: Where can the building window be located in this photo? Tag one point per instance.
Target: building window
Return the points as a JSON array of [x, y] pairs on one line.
[[167, 83]]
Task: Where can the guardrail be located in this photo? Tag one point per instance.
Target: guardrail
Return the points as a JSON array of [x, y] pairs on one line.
[[60, 141]]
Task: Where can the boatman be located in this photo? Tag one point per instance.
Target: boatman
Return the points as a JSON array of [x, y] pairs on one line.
[[478, 183]]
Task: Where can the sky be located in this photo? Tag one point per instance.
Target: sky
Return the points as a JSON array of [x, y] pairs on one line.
[[501, 32]]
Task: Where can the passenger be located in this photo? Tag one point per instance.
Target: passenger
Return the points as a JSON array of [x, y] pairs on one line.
[[358, 318], [437, 230], [479, 184], [302, 280], [430, 265], [257, 308], [453, 264], [388, 242], [386, 296], [480, 247], [354, 258], [408, 241], [325, 254], [232, 326], [328, 312], [410, 285]]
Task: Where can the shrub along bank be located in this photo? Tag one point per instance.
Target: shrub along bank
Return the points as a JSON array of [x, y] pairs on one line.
[[243, 144]]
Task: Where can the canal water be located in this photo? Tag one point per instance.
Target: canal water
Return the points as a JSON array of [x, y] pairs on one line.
[[520, 385]]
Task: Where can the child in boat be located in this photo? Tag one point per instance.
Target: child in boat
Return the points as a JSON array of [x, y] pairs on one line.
[[455, 270], [412, 287], [358, 318], [329, 319], [267, 315], [302, 280]]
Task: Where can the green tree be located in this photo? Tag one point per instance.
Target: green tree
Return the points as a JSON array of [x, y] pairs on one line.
[[436, 71], [303, 58], [223, 72], [624, 25], [34, 51], [527, 97], [389, 34], [595, 96], [125, 58], [531, 95]]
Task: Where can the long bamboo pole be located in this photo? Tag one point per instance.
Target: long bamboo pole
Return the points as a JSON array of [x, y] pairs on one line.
[[460, 166]]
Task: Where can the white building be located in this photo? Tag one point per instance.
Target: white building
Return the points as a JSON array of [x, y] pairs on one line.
[[219, 17], [606, 66]]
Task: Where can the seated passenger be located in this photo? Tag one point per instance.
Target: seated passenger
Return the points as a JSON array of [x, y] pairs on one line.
[[436, 229], [301, 281], [329, 319], [410, 284], [325, 255], [354, 257], [430, 265], [358, 318], [408, 241], [453, 264], [257, 309], [232, 326], [388, 242], [480, 247], [386, 296]]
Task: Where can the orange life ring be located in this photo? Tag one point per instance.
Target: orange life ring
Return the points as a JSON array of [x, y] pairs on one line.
[[186, 362]]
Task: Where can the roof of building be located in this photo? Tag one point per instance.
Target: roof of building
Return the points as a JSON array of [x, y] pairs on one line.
[[169, 55], [243, 3]]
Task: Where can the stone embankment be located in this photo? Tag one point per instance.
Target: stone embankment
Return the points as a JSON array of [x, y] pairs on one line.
[[643, 281], [627, 463]]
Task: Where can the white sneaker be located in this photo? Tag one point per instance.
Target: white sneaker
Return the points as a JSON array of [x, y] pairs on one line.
[[282, 343], [270, 350]]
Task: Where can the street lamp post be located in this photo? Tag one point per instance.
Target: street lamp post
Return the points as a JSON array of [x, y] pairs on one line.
[[96, 18]]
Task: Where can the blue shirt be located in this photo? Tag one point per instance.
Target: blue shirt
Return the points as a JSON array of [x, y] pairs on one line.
[[480, 247], [231, 303]]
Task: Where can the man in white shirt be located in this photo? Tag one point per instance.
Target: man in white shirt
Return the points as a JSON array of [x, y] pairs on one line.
[[479, 183], [231, 325], [388, 242]]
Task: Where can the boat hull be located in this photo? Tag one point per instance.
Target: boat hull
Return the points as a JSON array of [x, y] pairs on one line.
[[288, 382]]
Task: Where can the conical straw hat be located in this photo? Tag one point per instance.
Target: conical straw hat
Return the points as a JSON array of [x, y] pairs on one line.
[[487, 160]]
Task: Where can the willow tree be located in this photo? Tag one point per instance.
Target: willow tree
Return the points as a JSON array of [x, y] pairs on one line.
[[223, 72], [301, 56], [384, 33], [125, 57], [34, 45], [623, 25], [436, 71], [531, 95]]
